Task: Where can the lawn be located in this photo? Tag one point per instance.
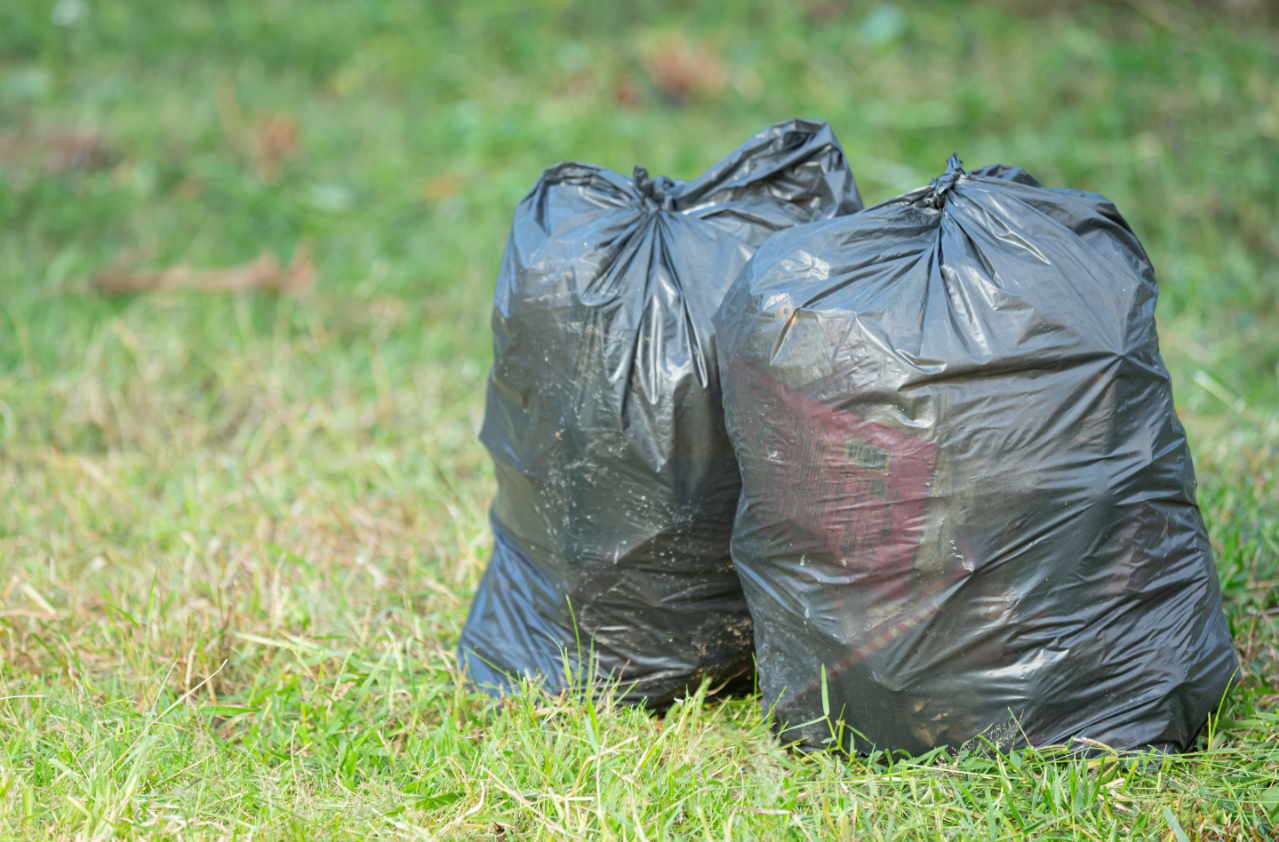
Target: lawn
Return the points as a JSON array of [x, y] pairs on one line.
[[239, 529]]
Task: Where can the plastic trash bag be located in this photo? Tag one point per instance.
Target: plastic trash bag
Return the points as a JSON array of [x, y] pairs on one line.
[[968, 506], [617, 484]]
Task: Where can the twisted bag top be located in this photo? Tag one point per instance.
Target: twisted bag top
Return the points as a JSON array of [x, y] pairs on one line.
[[968, 506], [616, 480]]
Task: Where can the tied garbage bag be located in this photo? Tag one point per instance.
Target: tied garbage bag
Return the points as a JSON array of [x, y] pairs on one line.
[[617, 484], [968, 507]]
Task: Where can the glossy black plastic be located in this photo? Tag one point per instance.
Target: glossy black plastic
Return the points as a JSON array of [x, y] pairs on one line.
[[968, 506], [617, 484]]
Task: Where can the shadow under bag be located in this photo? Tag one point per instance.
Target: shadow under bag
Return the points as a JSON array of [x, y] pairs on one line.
[[968, 506], [616, 480]]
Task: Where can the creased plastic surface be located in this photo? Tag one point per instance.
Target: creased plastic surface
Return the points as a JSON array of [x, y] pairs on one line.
[[617, 485], [967, 498]]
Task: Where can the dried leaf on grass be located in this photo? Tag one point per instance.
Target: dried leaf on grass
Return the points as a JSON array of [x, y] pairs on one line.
[[682, 68], [626, 93], [441, 187], [75, 150], [56, 151], [265, 273], [273, 139]]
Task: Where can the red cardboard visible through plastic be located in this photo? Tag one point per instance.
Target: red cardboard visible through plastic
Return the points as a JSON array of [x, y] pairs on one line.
[[858, 490]]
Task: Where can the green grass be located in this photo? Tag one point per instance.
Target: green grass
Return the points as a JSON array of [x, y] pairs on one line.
[[238, 532]]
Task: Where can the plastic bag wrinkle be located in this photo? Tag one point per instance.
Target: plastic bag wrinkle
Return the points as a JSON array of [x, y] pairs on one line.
[[967, 500], [616, 480]]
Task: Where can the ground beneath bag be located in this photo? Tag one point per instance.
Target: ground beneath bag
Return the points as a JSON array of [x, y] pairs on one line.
[[968, 506], [617, 484]]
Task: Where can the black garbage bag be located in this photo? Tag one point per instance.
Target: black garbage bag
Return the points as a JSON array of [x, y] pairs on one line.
[[617, 484], [968, 507]]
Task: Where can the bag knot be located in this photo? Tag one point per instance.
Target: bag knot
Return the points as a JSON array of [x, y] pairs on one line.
[[943, 184], [655, 190]]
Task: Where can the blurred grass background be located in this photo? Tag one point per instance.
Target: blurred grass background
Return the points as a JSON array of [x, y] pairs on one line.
[[398, 136], [185, 475]]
